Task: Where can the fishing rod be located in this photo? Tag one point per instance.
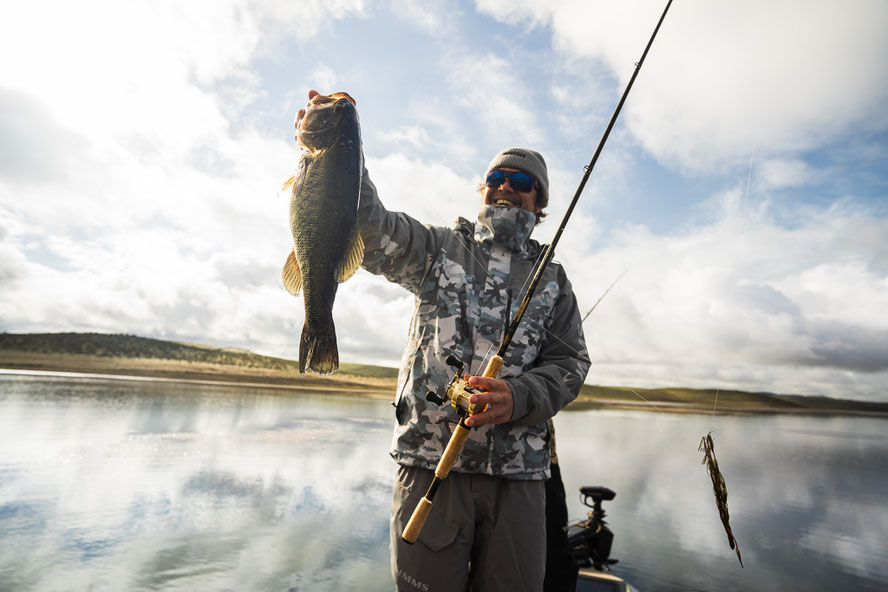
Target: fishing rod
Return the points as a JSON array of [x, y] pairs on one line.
[[458, 390]]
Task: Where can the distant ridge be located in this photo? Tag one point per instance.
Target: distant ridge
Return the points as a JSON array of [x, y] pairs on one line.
[[143, 356], [109, 345], [721, 401]]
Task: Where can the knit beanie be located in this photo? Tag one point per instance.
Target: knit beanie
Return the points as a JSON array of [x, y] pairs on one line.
[[529, 161]]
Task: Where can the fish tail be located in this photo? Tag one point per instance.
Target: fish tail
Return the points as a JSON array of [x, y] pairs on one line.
[[318, 351]]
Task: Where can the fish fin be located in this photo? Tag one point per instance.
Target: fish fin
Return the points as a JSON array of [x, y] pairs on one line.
[[354, 255], [288, 185], [291, 275], [317, 351]]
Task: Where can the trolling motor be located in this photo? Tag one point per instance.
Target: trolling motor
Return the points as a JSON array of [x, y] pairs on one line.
[[458, 391], [589, 541]]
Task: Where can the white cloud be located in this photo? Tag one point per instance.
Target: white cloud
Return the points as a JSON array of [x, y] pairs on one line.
[[436, 17], [742, 301], [781, 173], [413, 136], [106, 69], [139, 200], [323, 78], [488, 89], [138, 190], [723, 78], [424, 190]]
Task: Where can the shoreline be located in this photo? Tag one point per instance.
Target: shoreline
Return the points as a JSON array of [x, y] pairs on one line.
[[84, 366], [342, 383], [333, 390], [673, 407]]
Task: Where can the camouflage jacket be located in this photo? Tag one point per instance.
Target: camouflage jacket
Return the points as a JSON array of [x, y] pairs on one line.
[[462, 279]]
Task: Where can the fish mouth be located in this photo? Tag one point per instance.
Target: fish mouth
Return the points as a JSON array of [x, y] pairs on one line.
[[323, 113], [333, 101]]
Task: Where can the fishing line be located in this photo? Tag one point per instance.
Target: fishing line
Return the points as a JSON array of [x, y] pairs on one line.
[[530, 273], [453, 232], [580, 355], [484, 361], [645, 400], [602, 296], [748, 177], [587, 359]]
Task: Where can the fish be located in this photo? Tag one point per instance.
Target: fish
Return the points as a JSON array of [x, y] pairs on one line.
[[327, 244]]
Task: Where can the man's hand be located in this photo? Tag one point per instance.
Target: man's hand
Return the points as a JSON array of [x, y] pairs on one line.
[[301, 113], [498, 398]]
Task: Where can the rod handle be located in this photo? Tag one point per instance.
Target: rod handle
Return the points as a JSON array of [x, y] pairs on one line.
[[451, 453], [493, 367], [417, 520], [421, 512]]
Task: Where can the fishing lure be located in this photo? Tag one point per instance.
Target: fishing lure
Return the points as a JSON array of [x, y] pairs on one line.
[[719, 488]]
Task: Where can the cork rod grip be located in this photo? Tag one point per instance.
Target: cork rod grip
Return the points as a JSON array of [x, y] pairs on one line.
[[493, 367], [411, 531], [451, 453]]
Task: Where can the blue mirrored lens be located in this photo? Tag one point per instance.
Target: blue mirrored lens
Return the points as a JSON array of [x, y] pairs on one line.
[[521, 182], [495, 179], [517, 180]]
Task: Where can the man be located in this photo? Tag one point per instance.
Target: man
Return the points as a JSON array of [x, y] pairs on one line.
[[486, 529]]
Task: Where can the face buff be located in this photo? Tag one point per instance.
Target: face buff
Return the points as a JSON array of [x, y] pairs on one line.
[[506, 226]]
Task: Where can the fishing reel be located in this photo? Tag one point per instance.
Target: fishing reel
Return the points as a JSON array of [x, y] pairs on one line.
[[589, 541], [458, 391]]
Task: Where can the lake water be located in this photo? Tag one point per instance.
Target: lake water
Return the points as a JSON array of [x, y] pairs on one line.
[[143, 485]]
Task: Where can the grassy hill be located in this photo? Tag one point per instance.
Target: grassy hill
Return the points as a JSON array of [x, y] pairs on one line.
[[723, 401], [130, 354], [131, 346]]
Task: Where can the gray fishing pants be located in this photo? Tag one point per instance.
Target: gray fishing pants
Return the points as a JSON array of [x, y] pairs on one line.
[[483, 534]]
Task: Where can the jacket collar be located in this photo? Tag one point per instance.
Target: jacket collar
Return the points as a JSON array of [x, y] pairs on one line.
[[505, 226]]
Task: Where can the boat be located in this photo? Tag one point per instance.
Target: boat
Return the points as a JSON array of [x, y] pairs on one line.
[[589, 543]]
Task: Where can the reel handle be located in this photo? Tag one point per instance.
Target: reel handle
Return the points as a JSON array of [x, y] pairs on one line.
[[433, 397]]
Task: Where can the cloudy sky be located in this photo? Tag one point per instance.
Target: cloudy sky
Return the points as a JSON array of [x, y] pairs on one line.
[[744, 191]]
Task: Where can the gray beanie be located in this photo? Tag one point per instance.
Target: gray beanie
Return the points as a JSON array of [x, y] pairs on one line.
[[529, 161]]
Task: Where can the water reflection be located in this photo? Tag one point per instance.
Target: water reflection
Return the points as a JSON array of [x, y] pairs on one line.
[[806, 496], [159, 486], [113, 485]]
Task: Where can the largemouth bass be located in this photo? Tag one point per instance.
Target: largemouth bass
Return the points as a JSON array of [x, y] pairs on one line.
[[327, 245]]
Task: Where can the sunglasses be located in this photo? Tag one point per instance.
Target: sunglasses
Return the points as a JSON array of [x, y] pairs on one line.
[[517, 180]]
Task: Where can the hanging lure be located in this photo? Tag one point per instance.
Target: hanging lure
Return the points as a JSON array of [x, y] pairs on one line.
[[719, 488]]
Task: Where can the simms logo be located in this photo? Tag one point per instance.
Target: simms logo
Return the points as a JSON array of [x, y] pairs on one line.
[[403, 575]]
